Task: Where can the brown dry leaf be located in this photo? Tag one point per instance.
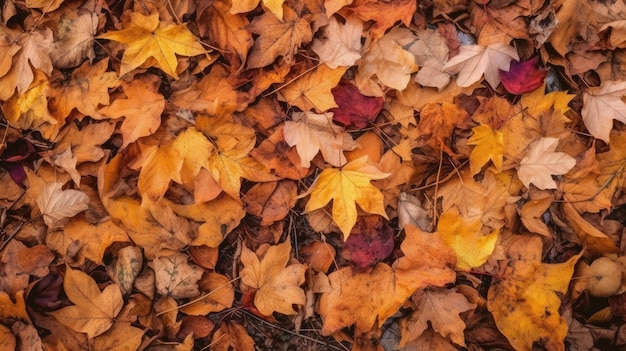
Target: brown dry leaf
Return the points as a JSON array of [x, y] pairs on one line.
[[437, 124], [218, 294], [94, 239], [94, 311], [276, 154], [532, 212], [277, 37], [341, 44], [126, 267], [277, 283], [271, 201], [13, 307], [226, 30], [231, 336], [121, 337], [175, 276], [74, 38], [439, 308], [312, 91]]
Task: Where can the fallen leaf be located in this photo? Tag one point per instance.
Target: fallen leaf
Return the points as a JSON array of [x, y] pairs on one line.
[[94, 311], [431, 54], [388, 60], [74, 38], [341, 44], [489, 146], [354, 110], [121, 337], [602, 105], [243, 6], [347, 187], [471, 246], [311, 133], [439, 308], [312, 91], [161, 165], [126, 267], [141, 109], [370, 242], [475, 60], [57, 205], [231, 336], [271, 201], [277, 283], [175, 276], [218, 294], [541, 162], [153, 42], [385, 14], [523, 76], [525, 302], [277, 37]]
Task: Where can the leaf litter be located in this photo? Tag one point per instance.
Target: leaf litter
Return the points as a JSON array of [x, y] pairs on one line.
[[279, 174]]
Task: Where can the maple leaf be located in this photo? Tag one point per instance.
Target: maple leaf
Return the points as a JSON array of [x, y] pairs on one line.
[[355, 109], [243, 6], [277, 38], [87, 89], [231, 158], [437, 123], [489, 146], [430, 53], [147, 38], [231, 336], [341, 45], [524, 302], [475, 60], [313, 89], [141, 108], [440, 308], [227, 31], [219, 295], [312, 133], [601, 105], [176, 277], [277, 282], [57, 204], [523, 76], [466, 239], [541, 162], [388, 60], [348, 187], [94, 311]]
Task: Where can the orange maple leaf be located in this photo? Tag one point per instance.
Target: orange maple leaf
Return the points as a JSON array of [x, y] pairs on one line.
[[278, 284], [147, 38]]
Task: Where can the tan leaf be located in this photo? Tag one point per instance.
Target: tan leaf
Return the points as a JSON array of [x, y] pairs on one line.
[[175, 276], [57, 204], [542, 161], [312, 91], [94, 311], [277, 282]]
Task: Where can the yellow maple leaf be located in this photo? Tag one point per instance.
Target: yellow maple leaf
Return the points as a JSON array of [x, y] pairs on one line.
[[489, 146], [231, 160], [313, 89], [524, 303], [465, 238], [347, 187], [94, 311], [278, 284], [243, 6], [30, 109], [147, 39], [537, 101]]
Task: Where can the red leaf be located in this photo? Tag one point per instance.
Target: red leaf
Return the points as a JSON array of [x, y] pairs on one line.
[[523, 77], [371, 241], [355, 109]]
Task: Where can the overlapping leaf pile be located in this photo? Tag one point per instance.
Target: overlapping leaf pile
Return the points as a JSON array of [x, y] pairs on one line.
[[370, 174]]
